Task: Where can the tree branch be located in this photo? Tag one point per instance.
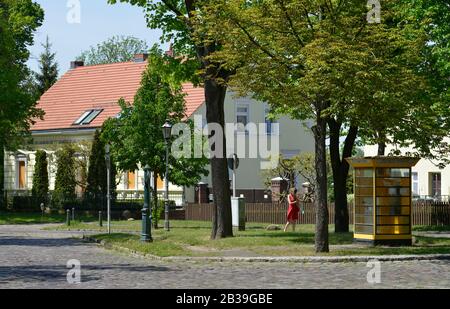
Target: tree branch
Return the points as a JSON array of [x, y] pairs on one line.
[[291, 24]]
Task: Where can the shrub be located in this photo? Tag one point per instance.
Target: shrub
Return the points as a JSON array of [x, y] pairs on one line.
[[65, 183], [40, 178]]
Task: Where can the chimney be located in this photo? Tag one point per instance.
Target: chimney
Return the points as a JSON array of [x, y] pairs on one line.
[[140, 57], [170, 52], [76, 64]]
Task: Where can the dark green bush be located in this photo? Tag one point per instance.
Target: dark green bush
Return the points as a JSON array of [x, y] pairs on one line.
[[40, 178]]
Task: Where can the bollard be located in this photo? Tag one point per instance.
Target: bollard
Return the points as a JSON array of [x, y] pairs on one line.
[[73, 214], [68, 218], [100, 219]]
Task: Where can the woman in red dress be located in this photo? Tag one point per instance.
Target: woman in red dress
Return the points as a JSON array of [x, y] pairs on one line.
[[293, 210]]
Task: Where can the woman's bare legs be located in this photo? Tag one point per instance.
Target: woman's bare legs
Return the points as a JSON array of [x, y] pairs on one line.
[[293, 226], [286, 226]]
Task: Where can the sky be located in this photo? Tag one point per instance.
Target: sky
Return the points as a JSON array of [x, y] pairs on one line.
[[71, 33]]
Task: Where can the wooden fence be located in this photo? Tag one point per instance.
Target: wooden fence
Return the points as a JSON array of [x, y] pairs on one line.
[[423, 213]]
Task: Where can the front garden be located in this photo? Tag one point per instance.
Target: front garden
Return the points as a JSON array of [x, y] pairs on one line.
[[192, 238]]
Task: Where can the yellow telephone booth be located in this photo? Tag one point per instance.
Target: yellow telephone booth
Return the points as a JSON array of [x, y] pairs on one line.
[[382, 203]]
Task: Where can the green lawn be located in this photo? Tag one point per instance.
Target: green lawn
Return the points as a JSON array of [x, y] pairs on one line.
[[191, 238]]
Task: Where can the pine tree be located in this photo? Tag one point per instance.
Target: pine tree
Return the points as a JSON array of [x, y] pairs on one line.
[[48, 68], [96, 179], [40, 178], [65, 176]]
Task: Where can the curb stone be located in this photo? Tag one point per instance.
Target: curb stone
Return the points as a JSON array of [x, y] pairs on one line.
[[269, 259]]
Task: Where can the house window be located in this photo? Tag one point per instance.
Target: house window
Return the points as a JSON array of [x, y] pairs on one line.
[[160, 183], [88, 117], [270, 124], [242, 116], [131, 180], [415, 183], [21, 174], [435, 184]]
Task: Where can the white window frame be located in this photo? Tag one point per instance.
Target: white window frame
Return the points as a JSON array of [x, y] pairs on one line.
[[21, 158], [238, 113], [86, 115], [414, 182]]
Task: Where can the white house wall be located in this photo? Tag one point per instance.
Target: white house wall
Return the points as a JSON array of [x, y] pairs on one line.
[[424, 169], [294, 138]]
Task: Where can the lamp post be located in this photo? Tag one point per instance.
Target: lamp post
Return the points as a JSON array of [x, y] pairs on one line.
[[146, 235], [108, 184], [167, 132]]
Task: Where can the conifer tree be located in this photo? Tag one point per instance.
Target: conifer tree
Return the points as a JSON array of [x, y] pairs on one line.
[[65, 176], [96, 179], [48, 69], [40, 178]]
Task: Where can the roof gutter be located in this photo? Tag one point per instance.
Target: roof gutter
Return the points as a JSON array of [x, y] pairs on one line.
[[64, 131]]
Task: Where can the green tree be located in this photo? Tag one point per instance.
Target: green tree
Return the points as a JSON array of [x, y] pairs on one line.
[[136, 136], [48, 69], [176, 19], [65, 182], [115, 49], [322, 60], [96, 178], [40, 178], [18, 21]]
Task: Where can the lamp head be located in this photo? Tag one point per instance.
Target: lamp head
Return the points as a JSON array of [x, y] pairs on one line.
[[167, 130]]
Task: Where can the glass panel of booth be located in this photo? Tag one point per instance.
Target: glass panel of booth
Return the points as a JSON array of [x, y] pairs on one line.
[[393, 172], [393, 201], [393, 229], [364, 202]]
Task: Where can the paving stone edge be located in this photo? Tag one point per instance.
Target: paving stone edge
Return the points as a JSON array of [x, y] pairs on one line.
[[271, 259]]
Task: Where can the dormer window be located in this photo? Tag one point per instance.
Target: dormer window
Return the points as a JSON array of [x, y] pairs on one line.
[[88, 117]]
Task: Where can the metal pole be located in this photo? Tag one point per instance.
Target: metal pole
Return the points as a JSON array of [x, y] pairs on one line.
[[108, 196], [166, 200], [100, 219], [68, 217], [73, 214], [146, 235]]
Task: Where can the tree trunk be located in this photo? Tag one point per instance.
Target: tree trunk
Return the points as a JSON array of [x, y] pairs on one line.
[[155, 200], [381, 148], [222, 224], [320, 130], [340, 169], [2, 176]]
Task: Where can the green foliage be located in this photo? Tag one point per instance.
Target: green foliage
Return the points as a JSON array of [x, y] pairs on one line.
[[18, 21], [48, 69], [40, 178], [65, 182], [136, 136], [115, 49], [299, 166], [97, 178]]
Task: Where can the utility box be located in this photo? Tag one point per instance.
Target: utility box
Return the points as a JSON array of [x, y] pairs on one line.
[[382, 209], [238, 212]]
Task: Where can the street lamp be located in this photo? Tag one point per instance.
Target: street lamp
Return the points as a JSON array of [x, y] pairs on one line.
[[108, 183], [167, 132], [146, 235]]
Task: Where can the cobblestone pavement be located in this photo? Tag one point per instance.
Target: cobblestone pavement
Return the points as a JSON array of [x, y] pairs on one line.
[[32, 258]]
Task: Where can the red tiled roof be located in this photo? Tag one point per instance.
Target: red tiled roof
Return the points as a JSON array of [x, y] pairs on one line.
[[98, 87]]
